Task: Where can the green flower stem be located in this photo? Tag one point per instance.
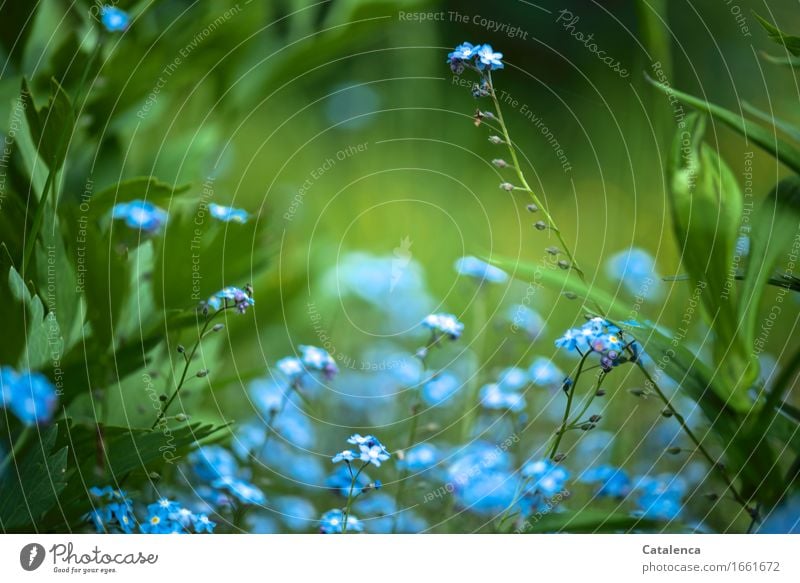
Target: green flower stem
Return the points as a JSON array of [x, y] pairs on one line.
[[525, 186], [15, 450], [564, 421], [350, 493], [577, 419], [715, 465], [187, 362]]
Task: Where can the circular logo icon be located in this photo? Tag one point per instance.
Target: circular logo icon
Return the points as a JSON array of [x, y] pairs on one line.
[[31, 556]]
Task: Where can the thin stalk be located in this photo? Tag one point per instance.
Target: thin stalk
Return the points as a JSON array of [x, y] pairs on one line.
[[188, 360], [565, 418], [521, 176], [600, 378], [715, 465], [350, 494]]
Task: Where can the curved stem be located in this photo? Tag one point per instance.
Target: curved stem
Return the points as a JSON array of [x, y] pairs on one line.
[[715, 465], [525, 186], [188, 361], [350, 494], [564, 420], [600, 378]]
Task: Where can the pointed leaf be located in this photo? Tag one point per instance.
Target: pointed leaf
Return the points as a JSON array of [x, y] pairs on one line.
[[784, 151]]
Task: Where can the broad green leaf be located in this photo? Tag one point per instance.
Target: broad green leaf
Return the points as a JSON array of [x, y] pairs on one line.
[[791, 42], [126, 453], [774, 225], [39, 336], [706, 206], [141, 188], [33, 486], [199, 255], [784, 151], [51, 126]]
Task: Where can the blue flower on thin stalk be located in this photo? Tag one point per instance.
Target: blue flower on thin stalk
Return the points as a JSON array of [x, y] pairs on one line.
[[231, 296], [613, 482], [487, 58], [371, 452], [604, 338], [116, 515], [444, 325]]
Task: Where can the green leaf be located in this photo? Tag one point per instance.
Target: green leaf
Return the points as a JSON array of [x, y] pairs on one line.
[[198, 255], [126, 453], [51, 126], [706, 206], [36, 335], [32, 487], [791, 42], [792, 62], [784, 151], [781, 125], [141, 188], [773, 229]]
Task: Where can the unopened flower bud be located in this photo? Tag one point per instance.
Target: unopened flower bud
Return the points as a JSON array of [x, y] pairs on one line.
[[532, 208], [540, 225], [180, 417], [666, 413], [673, 450], [500, 163], [496, 139], [181, 349], [601, 393], [559, 457], [595, 418], [507, 186], [202, 373], [563, 264], [553, 250], [217, 327]]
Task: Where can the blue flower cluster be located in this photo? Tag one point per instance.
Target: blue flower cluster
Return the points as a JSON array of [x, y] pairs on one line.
[[604, 338], [312, 359], [227, 484], [543, 480], [141, 215], [371, 451], [443, 326], [479, 57], [167, 517], [29, 395], [116, 515], [241, 299], [612, 482]]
